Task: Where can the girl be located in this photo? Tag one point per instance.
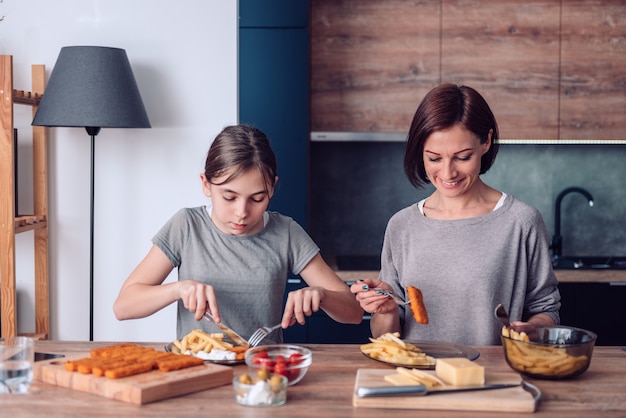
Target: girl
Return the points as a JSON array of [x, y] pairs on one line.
[[235, 252], [468, 246]]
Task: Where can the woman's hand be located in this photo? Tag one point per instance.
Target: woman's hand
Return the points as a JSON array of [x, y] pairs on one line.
[[530, 327], [372, 301], [198, 297]]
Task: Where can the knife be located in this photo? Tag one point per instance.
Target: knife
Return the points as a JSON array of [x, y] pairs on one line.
[[363, 392], [237, 339]]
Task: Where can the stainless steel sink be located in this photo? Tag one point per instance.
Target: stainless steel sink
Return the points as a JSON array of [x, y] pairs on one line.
[[589, 263]]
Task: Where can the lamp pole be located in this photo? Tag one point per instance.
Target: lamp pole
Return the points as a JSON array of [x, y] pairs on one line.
[[92, 131]]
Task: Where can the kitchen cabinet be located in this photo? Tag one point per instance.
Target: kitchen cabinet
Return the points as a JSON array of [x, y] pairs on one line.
[[274, 96], [593, 58], [509, 52], [598, 307], [371, 63], [274, 91], [551, 70], [12, 223]]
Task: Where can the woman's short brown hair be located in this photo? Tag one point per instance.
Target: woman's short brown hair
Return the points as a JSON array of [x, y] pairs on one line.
[[442, 108]]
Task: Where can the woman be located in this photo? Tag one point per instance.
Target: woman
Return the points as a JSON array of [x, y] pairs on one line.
[[236, 252], [467, 246]]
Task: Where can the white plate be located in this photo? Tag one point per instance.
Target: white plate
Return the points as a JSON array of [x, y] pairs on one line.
[[171, 348]]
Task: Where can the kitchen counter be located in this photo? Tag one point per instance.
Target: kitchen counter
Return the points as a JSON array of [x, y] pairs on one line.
[[563, 276], [327, 391]]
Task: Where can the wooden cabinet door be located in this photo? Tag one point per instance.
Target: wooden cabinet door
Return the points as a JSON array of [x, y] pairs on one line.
[[593, 70], [372, 62], [509, 52]]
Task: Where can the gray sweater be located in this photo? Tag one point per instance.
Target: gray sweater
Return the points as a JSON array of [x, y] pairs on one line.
[[466, 267], [248, 273]]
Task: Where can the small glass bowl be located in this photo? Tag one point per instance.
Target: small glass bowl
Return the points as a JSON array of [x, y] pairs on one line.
[[269, 357], [556, 352], [260, 392]]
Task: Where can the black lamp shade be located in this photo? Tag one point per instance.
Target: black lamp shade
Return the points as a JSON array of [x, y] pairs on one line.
[[92, 86]]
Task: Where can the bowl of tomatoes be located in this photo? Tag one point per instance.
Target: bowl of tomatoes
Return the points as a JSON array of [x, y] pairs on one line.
[[291, 361]]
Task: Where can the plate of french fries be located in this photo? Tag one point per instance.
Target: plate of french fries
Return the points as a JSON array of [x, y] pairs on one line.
[[391, 349], [211, 347]]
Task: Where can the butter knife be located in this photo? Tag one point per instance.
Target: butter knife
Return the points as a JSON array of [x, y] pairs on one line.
[[363, 392], [237, 339]]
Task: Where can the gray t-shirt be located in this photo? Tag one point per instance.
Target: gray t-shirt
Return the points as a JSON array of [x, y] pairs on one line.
[[466, 267], [248, 273]]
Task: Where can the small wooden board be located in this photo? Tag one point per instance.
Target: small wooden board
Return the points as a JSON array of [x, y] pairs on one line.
[[515, 399], [139, 389]]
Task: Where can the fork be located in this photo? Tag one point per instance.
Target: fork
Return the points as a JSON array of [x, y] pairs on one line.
[[260, 334], [393, 296]]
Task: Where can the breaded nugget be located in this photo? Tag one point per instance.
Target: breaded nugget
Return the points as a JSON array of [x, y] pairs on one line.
[[129, 370], [417, 305], [179, 362]]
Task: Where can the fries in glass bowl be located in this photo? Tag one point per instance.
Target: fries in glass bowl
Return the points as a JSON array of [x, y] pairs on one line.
[[557, 352]]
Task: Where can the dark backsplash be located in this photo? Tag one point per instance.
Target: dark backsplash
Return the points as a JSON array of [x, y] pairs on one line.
[[355, 187]]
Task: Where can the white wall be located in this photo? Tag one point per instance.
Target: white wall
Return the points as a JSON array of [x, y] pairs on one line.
[[184, 57]]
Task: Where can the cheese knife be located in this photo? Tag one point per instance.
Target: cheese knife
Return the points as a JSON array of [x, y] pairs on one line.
[[237, 339], [363, 392]]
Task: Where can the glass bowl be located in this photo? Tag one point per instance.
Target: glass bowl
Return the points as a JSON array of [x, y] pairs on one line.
[[555, 352], [291, 361], [260, 390]]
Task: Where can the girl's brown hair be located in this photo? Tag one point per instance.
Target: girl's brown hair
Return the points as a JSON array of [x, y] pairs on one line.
[[240, 148]]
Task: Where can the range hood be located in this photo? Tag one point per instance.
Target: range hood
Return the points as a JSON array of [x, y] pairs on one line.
[[339, 136]]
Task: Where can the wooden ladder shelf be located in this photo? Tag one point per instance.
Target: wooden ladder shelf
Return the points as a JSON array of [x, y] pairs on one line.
[[12, 223]]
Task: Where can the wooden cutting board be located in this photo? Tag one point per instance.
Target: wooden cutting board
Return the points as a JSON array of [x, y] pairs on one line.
[[139, 389], [515, 399]]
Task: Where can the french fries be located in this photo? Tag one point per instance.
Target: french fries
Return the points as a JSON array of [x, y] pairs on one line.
[[198, 341], [511, 333], [540, 360], [391, 349]]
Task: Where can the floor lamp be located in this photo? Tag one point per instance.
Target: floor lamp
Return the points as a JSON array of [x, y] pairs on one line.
[[92, 87]]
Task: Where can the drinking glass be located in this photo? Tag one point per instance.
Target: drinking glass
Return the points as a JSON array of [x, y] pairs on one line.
[[17, 356]]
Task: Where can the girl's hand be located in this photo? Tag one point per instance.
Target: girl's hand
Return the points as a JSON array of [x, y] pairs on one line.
[[197, 298], [370, 300], [302, 303]]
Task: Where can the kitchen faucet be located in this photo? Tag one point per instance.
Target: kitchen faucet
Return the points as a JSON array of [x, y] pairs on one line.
[[557, 240]]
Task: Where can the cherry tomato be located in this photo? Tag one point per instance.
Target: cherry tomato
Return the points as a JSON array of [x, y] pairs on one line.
[[281, 368], [295, 358], [260, 358], [294, 374]]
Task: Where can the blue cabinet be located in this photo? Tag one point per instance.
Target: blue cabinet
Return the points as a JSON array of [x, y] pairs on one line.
[[274, 97], [274, 91]]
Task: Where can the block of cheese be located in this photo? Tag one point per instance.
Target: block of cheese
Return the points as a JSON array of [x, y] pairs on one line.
[[459, 371]]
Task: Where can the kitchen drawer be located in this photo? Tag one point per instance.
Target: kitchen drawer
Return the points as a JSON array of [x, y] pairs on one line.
[[598, 307]]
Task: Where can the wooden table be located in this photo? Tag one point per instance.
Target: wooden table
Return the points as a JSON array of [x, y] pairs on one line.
[[326, 391]]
